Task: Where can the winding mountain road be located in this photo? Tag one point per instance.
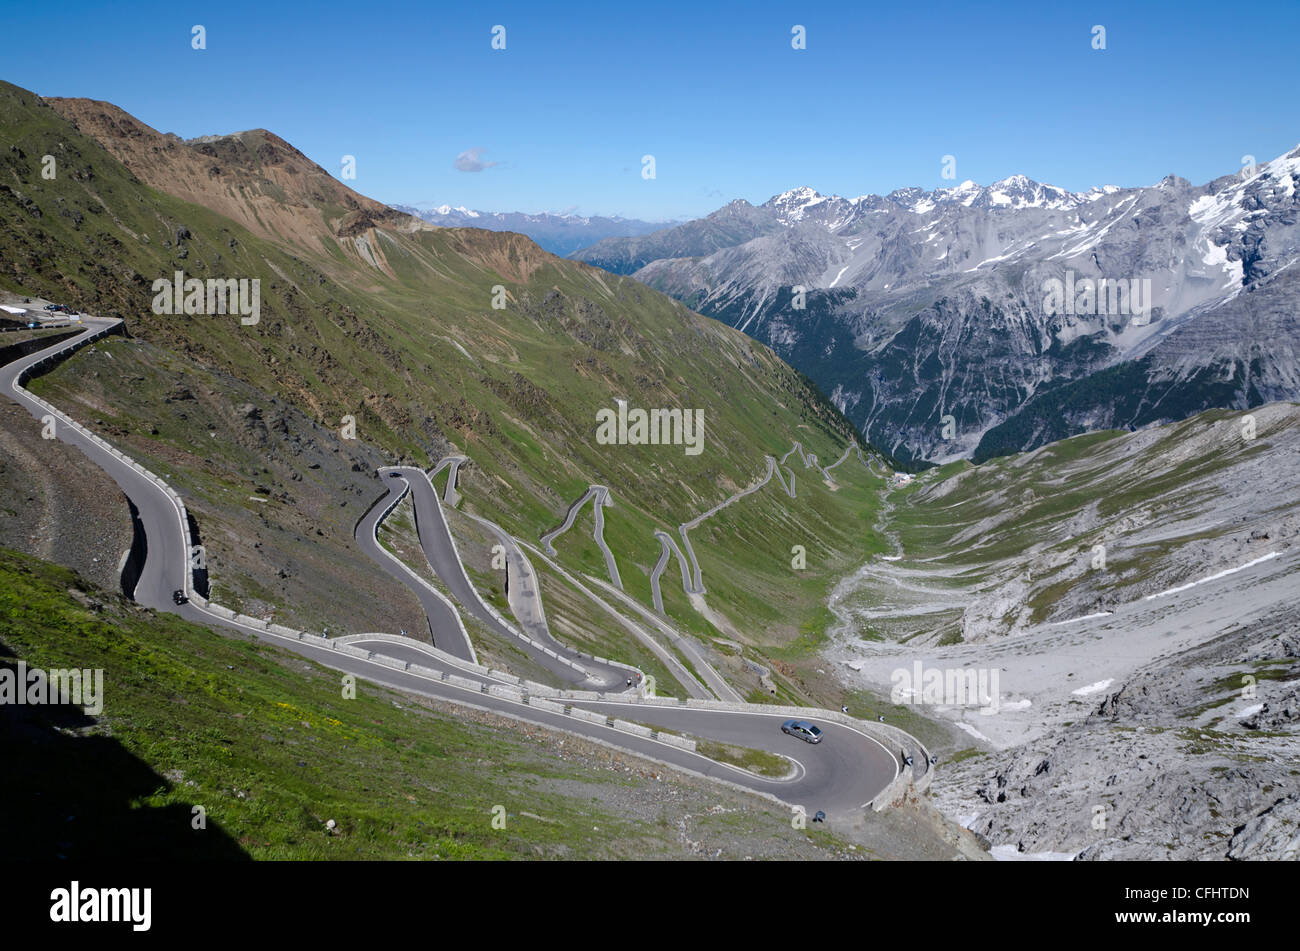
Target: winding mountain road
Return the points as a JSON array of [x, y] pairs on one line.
[[692, 577], [599, 495], [445, 626], [440, 550], [157, 519], [841, 775]]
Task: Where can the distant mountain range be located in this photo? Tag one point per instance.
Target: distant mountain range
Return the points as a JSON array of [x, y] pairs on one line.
[[559, 234], [920, 305]]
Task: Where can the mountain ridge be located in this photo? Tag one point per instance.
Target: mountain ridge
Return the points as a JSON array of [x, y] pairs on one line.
[[957, 278], [560, 234]]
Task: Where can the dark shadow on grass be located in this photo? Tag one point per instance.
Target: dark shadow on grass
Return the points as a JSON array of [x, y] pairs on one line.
[[67, 794]]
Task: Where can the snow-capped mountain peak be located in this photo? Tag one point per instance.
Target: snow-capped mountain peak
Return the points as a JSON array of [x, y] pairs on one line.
[[1014, 192], [793, 204], [803, 194], [964, 194], [938, 298]]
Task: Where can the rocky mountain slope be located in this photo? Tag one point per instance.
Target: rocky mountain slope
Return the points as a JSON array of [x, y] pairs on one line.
[[938, 320], [255, 178], [1130, 600]]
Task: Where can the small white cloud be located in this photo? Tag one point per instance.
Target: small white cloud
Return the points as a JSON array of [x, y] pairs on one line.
[[469, 161]]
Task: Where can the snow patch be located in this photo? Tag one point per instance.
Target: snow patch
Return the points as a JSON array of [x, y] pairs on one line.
[[1213, 577], [972, 731], [1092, 688], [1085, 617], [1009, 853]]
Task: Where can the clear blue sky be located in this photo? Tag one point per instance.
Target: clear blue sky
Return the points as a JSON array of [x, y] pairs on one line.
[[713, 91]]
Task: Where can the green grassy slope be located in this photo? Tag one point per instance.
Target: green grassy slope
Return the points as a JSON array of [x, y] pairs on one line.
[[265, 743], [415, 352]]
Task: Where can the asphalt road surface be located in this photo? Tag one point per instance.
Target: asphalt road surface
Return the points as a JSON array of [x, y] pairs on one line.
[[444, 622], [440, 552], [167, 558]]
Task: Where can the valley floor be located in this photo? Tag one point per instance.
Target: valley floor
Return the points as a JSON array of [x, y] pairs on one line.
[[1142, 707]]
